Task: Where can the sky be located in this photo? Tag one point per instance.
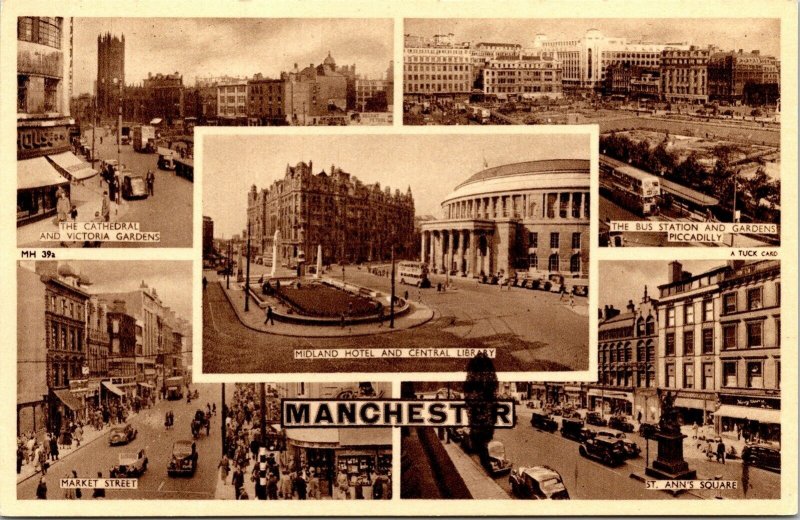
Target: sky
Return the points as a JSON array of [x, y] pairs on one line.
[[235, 47], [432, 165], [727, 33], [625, 280], [171, 279]]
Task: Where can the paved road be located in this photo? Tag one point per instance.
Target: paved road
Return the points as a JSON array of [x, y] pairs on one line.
[[168, 211], [154, 484], [531, 330]]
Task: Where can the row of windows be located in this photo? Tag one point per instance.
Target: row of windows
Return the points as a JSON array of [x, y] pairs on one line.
[[554, 263], [65, 307], [754, 375], [62, 373], [610, 353], [624, 378], [707, 313], [555, 240], [64, 337], [444, 77], [41, 30], [688, 347], [754, 300], [438, 87], [754, 334], [436, 68]]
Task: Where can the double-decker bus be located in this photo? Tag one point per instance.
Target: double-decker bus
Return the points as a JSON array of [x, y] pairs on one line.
[[413, 273], [632, 188]]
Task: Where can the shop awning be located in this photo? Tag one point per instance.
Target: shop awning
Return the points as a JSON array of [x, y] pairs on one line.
[[146, 385], [113, 388], [314, 437], [365, 437], [37, 173], [69, 400], [73, 166], [762, 415]]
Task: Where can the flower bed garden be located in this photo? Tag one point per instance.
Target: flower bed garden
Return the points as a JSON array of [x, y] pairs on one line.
[[322, 301]]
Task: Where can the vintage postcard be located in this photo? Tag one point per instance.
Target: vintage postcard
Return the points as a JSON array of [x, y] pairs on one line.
[[452, 256]]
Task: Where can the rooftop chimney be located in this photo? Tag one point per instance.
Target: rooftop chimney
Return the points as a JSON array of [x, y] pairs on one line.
[[631, 307], [675, 269]]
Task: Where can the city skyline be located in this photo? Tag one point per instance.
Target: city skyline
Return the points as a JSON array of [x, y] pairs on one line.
[[161, 45], [628, 279], [448, 159], [171, 279], [727, 33]]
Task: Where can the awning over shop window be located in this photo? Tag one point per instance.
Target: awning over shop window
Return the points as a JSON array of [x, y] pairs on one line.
[[113, 388], [314, 437], [69, 400], [762, 415], [146, 385], [365, 437], [37, 173], [73, 166]]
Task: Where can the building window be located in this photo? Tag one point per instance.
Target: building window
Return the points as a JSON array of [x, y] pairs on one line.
[[708, 310], [670, 375], [575, 264], [708, 376], [688, 314], [777, 374], [754, 299], [670, 344], [25, 28], [755, 334], [22, 93], [688, 376], [688, 343], [650, 326], [778, 294], [729, 303], [553, 263], [670, 316], [554, 240], [533, 261], [533, 240], [708, 341], [729, 373], [755, 377], [729, 336], [576, 241], [640, 327], [777, 332]]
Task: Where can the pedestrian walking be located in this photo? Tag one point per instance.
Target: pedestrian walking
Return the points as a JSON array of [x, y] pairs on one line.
[[41, 489], [151, 180], [105, 208], [99, 492], [272, 487], [224, 468], [238, 482], [62, 206], [300, 486], [721, 451], [73, 213], [562, 292], [69, 493], [53, 448], [78, 492], [571, 299], [112, 188], [268, 316], [694, 430]]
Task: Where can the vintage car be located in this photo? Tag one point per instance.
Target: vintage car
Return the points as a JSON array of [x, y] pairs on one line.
[[648, 430], [537, 483], [574, 429], [610, 453], [620, 422], [134, 186], [762, 455], [543, 421], [497, 462], [130, 465], [631, 448], [183, 460], [121, 434], [594, 418], [166, 159]]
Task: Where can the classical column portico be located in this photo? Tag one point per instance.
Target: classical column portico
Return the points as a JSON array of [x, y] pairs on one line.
[[472, 258], [462, 238], [424, 253]]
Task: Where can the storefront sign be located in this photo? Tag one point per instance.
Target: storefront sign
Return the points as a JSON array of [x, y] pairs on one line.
[[752, 402], [37, 141]]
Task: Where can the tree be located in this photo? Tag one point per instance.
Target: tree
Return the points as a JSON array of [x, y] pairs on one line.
[[480, 394]]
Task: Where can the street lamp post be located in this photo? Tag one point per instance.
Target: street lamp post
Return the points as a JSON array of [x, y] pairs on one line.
[[119, 122], [263, 404], [391, 304], [224, 411], [247, 277], [228, 267]]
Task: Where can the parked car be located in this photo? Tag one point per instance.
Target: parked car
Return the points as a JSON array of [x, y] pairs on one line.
[[121, 434], [648, 430], [762, 455], [543, 421], [620, 422], [631, 448], [595, 419], [134, 186], [184, 459], [610, 453], [498, 463], [538, 483], [574, 429], [130, 465]]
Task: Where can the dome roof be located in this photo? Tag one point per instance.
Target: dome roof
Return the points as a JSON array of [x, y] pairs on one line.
[[529, 167], [66, 271], [329, 60]]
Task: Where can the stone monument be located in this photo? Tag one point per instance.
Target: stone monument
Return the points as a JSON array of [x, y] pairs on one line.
[[669, 464], [318, 272], [276, 240]]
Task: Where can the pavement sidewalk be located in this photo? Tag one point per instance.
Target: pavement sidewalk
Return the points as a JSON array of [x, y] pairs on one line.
[[224, 489], [254, 319], [479, 484], [89, 436]]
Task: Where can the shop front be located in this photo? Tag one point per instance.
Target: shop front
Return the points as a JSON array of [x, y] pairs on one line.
[[71, 167], [611, 401], [695, 407], [752, 418], [38, 181], [64, 407], [646, 405], [575, 396], [315, 448]]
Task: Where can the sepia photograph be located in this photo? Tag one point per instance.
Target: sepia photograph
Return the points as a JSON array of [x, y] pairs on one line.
[[689, 112], [321, 258], [106, 109]]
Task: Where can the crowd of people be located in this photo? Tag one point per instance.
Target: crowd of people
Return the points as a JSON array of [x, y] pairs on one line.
[[275, 473]]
